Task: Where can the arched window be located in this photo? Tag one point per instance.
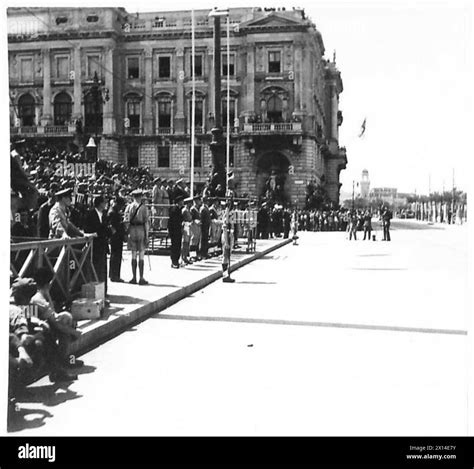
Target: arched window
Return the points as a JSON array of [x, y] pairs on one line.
[[62, 109], [26, 110], [232, 113], [199, 113], [92, 113], [133, 111], [274, 109]]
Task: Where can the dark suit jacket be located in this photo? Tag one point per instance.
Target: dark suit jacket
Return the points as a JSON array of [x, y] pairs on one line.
[[92, 224]]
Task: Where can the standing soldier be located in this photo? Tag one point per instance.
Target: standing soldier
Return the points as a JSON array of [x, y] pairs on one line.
[[386, 217], [196, 226], [175, 228], [187, 220], [136, 217], [117, 238], [164, 210], [205, 228], [43, 212], [156, 199], [215, 234], [227, 240], [294, 226], [367, 225]]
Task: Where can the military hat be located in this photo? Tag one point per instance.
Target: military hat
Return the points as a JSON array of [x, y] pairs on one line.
[[189, 199], [179, 181], [179, 198], [64, 193], [136, 192], [156, 180]]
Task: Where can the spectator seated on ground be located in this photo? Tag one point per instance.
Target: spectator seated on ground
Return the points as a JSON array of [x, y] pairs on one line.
[[62, 324], [33, 334]]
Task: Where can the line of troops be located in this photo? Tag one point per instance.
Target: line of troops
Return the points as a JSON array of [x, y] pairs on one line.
[[195, 224]]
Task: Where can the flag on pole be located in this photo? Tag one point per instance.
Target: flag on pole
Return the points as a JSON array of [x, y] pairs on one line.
[[362, 128]]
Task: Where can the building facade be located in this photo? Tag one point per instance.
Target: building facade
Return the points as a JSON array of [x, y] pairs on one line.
[[284, 95]]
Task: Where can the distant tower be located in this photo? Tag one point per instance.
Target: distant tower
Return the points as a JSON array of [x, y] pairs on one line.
[[365, 185]]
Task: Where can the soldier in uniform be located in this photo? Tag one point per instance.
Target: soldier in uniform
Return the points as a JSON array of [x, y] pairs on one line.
[[156, 199], [205, 228], [227, 240], [386, 217], [59, 224], [187, 220], [215, 232], [43, 212], [196, 226], [175, 230], [136, 217]]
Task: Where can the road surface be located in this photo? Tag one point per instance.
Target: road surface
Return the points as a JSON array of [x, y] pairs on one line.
[[330, 337]]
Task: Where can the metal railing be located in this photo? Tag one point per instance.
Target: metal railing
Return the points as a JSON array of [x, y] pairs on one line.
[[70, 260], [56, 129], [273, 127]]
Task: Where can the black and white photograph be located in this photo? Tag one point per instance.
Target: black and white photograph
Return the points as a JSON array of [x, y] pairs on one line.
[[230, 219]]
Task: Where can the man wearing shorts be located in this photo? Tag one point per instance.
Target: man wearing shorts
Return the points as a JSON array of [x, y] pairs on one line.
[[136, 217]]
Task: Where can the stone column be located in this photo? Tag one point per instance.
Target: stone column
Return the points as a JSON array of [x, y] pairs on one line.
[[248, 107], [47, 117], [179, 118], [298, 77], [147, 118], [77, 111], [334, 109], [108, 108]]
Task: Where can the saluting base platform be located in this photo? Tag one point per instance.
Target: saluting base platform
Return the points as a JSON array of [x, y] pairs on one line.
[[131, 304]]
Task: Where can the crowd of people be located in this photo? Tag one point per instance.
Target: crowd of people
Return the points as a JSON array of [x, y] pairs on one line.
[[348, 220]]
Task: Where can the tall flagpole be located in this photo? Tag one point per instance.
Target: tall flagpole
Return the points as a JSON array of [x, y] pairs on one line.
[[193, 103], [228, 107]]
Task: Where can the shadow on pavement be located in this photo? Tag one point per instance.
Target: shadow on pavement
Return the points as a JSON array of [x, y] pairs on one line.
[[18, 420], [124, 300]]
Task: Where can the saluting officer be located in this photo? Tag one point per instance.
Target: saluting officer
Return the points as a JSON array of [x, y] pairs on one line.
[[137, 219], [59, 224]]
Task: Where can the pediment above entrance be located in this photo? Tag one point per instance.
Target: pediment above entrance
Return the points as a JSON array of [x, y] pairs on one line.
[[272, 20]]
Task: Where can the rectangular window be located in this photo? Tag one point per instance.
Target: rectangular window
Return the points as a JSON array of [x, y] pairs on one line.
[[62, 67], [164, 156], [197, 156], [198, 71], [274, 62], [133, 68], [231, 64], [93, 65], [26, 70], [164, 67], [164, 114]]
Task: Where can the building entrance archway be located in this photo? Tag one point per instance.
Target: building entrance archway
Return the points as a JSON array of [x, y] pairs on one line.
[[272, 176]]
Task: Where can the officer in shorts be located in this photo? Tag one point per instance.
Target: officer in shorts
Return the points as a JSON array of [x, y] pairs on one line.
[[137, 220]]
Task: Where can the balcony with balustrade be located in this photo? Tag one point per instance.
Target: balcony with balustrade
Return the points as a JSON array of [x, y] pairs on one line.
[[269, 128], [47, 130]]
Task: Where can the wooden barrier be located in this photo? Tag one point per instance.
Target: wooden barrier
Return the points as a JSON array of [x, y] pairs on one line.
[[70, 260]]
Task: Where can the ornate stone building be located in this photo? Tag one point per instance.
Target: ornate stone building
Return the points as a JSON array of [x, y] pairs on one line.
[[284, 106]]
